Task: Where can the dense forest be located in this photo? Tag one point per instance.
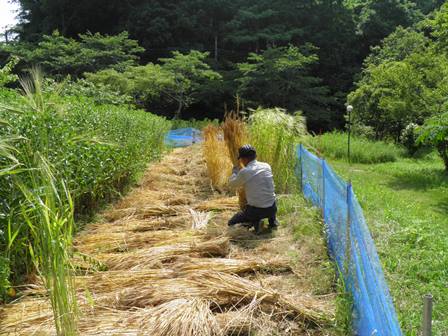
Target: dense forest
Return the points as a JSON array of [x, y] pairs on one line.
[[196, 58]]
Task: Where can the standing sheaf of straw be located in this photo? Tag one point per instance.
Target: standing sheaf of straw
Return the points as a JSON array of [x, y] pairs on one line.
[[219, 165], [235, 136]]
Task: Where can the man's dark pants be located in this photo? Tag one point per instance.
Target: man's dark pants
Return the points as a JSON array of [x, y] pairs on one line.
[[254, 215]]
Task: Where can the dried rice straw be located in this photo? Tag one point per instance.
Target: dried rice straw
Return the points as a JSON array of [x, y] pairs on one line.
[[224, 289], [216, 156], [181, 317], [219, 204], [235, 136], [143, 212], [235, 266], [155, 256], [200, 219], [127, 241]]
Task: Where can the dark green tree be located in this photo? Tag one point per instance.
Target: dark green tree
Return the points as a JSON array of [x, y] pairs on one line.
[[59, 55], [190, 72], [280, 77], [434, 132]]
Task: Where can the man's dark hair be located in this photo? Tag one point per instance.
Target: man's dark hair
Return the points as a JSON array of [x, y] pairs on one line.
[[247, 152]]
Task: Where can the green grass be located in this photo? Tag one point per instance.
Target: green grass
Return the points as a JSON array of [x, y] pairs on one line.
[[406, 205], [307, 229], [274, 134], [334, 146], [48, 213]]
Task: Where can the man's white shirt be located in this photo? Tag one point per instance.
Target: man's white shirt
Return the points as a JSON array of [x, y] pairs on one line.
[[258, 183]]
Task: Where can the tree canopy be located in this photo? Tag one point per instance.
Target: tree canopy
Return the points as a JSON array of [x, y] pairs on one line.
[[75, 37]]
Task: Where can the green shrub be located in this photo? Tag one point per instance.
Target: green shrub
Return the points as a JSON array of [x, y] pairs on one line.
[[334, 146], [101, 94], [194, 123], [96, 149], [274, 133]]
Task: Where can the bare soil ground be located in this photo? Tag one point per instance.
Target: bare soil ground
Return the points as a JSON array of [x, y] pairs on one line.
[[144, 269]]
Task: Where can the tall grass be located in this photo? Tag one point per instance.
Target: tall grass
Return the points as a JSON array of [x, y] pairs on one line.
[[44, 205], [94, 152], [8, 166], [275, 134], [334, 146], [48, 212]]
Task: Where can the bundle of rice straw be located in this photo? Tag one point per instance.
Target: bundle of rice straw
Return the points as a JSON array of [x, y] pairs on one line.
[[174, 318], [155, 256], [233, 266], [143, 212], [241, 321], [223, 289], [107, 282], [219, 166], [126, 241], [143, 225], [200, 219], [227, 285], [181, 317], [235, 136], [219, 204]]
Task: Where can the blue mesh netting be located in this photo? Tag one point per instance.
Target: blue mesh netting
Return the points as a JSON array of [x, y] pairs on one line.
[[351, 246], [311, 169], [183, 137]]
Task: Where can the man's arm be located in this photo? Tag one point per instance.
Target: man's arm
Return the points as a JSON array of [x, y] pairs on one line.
[[237, 179]]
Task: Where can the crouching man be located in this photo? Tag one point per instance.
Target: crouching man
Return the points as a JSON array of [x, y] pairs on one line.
[[257, 180]]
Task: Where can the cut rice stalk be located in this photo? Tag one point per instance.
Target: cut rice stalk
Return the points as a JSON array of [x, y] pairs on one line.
[[220, 204], [126, 241], [234, 266], [200, 219], [235, 136], [181, 317], [219, 166], [225, 290], [143, 212], [155, 256], [305, 308], [241, 321], [140, 225]]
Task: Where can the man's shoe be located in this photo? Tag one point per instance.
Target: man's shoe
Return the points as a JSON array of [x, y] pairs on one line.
[[257, 228], [273, 226]]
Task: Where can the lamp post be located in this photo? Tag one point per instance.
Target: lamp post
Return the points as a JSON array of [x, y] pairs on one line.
[[349, 112]]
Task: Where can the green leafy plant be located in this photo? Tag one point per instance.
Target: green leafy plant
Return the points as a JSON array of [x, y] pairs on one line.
[[409, 138], [189, 72], [6, 74], [274, 133], [4, 277], [282, 77], [96, 149], [434, 132], [179, 80], [48, 212], [59, 55]]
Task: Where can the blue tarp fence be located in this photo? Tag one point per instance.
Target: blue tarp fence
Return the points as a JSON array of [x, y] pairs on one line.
[[350, 245], [183, 137]]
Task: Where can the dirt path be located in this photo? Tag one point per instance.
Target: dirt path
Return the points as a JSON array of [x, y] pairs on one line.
[[148, 267]]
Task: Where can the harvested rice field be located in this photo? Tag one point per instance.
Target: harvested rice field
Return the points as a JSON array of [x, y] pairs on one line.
[[162, 261]]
